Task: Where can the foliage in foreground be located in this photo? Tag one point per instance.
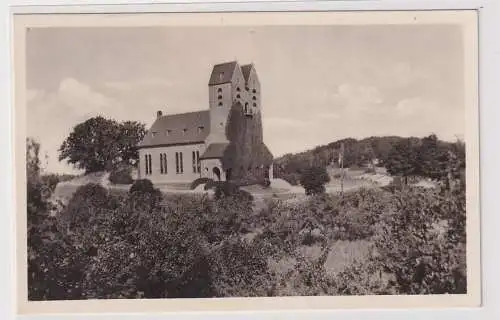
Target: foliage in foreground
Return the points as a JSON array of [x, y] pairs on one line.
[[142, 244]]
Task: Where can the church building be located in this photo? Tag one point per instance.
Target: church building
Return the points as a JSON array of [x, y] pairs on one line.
[[224, 142]]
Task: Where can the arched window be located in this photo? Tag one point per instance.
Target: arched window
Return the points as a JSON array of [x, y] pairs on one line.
[[220, 104], [254, 98], [238, 89], [238, 96], [219, 90], [219, 97], [246, 107], [254, 104], [254, 91]]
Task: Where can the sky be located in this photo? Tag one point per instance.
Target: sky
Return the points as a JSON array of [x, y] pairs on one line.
[[318, 83]]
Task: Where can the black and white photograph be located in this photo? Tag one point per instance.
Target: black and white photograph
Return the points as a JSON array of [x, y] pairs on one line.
[[250, 160]]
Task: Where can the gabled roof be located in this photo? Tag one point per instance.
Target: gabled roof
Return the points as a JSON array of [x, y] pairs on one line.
[[214, 151], [182, 128], [246, 71], [222, 73]]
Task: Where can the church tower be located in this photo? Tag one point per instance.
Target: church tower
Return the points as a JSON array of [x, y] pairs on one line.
[[252, 87], [225, 88], [252, 104]]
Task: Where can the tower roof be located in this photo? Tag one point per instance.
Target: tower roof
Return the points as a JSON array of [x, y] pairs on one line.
[[246, 71], [222, 73]]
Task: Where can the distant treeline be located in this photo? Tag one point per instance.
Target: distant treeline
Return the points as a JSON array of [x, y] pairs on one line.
[[361, 153]]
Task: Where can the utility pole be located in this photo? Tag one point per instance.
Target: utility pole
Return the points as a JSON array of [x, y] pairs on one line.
[[341, 162]]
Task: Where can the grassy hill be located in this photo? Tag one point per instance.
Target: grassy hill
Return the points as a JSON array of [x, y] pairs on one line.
[[357, 154]]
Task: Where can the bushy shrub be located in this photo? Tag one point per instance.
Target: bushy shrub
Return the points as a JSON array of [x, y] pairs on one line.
[[363, 278], [422, 242], [121, 175], [225, 217], [314, 179], [225, 189], [143, 186], [240, 269], [229, 189], [81, 210], [199, 181]]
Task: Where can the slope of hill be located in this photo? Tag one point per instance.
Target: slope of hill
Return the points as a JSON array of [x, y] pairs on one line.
[[357, 153]]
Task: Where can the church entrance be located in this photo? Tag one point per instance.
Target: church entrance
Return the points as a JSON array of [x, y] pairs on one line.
[[216, 172]]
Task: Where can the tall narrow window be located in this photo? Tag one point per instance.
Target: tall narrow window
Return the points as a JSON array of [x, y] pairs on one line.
[[194, 162], [165, 163], [146, 165], [219, 90], [198, 164], [149, 164], [177, 162], [181, 163], [161, 163]]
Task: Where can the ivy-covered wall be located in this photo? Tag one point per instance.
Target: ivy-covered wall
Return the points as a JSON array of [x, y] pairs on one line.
[[247, 156]]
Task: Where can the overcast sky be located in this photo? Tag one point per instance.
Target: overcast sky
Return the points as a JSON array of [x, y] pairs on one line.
[[319, 83]]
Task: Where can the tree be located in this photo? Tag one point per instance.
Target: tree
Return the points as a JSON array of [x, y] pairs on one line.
[[402, 159], [441, 161], [99, 144], [35, 202], [432, 158], [314, 179], [130, 133]]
